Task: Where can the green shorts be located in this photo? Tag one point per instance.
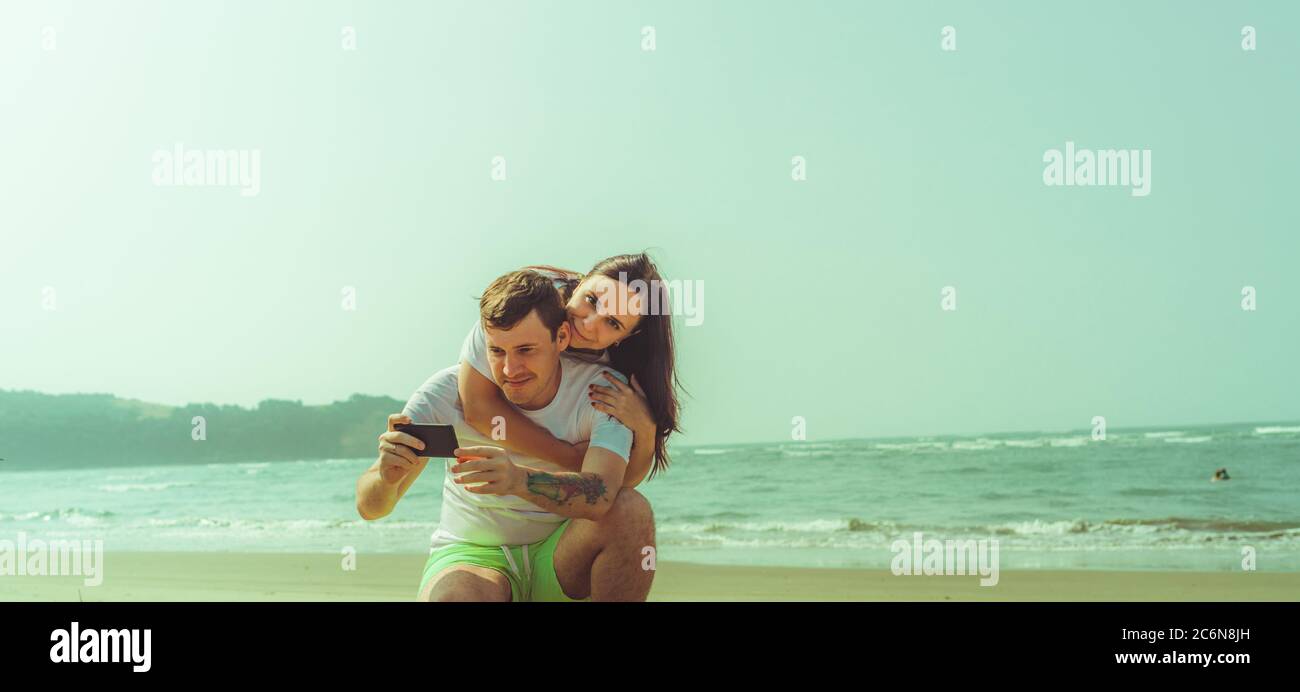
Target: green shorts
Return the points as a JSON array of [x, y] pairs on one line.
[[530, 568]]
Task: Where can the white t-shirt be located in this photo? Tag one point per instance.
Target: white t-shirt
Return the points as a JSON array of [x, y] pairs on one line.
[[494, 520]]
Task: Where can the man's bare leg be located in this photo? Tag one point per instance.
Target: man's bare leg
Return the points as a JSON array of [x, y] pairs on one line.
[[602, 559], [460, 583]]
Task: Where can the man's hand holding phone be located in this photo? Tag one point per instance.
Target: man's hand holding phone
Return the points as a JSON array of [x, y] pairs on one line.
[[398, 451]]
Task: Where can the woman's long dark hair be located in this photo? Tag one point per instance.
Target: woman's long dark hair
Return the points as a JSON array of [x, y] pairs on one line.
[[648, 353]]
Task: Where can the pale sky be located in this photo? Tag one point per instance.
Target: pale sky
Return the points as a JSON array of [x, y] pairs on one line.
[[821, 296]]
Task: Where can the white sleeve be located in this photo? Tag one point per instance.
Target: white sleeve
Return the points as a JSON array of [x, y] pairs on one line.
[[436, 401], [420, 408], [474, 350]]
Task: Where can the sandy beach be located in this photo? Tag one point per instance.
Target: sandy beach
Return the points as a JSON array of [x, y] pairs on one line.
[[392, 577]]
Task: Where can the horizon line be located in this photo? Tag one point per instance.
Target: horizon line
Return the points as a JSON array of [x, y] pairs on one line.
[[757, 442]]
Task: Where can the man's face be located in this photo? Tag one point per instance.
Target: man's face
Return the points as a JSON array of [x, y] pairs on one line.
[[526, 361]]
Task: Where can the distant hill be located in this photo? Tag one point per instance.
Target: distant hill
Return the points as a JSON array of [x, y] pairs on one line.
[[84, 430]]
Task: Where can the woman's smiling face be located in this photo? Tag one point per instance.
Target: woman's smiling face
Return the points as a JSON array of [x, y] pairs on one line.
[[602, 311]]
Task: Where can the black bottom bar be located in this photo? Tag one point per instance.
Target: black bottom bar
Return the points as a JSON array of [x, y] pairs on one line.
[[319, 639]]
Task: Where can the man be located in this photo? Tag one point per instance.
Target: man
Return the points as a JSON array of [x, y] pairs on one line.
[[511, 531]]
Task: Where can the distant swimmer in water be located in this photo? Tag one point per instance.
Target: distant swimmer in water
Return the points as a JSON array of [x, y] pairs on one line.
[[1220, 475]]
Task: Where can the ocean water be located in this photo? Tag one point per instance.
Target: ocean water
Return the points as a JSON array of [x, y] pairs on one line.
[[1138, 500]]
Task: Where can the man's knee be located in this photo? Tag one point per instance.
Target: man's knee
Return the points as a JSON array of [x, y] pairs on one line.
[[453, 596], [630, 509], [463, 584], [463, 596]]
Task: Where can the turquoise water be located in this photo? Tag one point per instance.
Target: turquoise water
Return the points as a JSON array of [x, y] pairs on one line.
[[1140, 499]]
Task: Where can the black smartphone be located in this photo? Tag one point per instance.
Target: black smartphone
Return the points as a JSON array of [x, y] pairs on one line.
[[439, 440]]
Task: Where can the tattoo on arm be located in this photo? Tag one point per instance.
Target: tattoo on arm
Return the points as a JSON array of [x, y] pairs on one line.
[[561, 488]]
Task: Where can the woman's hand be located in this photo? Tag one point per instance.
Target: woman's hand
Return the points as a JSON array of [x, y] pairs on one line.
[[627, 404]]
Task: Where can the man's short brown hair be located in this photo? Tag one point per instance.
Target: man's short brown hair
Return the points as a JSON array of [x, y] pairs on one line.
[[510, 298]]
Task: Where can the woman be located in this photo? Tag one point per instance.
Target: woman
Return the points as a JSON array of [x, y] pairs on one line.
[[608, 323]]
